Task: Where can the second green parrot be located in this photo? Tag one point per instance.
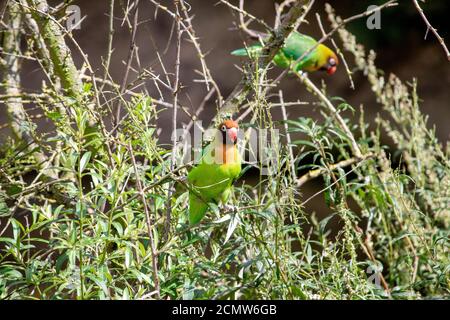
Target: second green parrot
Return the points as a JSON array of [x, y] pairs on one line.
[[212, 179], [321, 58]]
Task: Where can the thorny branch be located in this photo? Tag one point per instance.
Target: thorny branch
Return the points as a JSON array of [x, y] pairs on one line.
[[148, 221], [430, 27], [318, 172], [53, 61], [176, 88], [274, 43]]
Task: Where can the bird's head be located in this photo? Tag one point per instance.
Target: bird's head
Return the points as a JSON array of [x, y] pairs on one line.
[[329, 59], [229, 131]]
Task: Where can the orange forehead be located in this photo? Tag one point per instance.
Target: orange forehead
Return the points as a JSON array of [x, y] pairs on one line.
[[230, 124]]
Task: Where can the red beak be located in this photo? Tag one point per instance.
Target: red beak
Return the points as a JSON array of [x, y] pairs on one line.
[[232, 134], [331, 70]]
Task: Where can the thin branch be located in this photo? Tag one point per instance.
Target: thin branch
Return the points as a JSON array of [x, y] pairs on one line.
[[339, 52], [194, 39], [274, 43], [130, 58], [243, 13], [332, 110], [313, 174], [288, 137], [176, 88], [149, 223], [430, 27], [110, 42], [187, 27], [279, 8], [11, 73]]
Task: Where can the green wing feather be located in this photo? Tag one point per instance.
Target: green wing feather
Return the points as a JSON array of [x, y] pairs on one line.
[[197, 208], [295, 46], [253, 51]]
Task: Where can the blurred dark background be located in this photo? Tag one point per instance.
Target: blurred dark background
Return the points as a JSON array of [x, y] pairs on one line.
[[400, 46]]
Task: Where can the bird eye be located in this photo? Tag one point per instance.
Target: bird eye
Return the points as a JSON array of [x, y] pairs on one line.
[[224, 128], [332, 62]]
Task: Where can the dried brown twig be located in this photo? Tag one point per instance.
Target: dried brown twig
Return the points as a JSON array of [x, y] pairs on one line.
[[176, 88], [318, 172], [430, 27]]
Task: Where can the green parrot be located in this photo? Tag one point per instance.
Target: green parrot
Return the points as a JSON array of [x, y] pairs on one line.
[[321, 58], [212, 179]]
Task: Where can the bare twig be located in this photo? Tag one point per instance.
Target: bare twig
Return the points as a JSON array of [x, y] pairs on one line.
[[244, 13], [149, 223], [288, 137], [131, 55], [430, 27], [347, 69], [342, 164], [274, 43], [332, 110], [110, 42], [279, 9], [176, 88], [194, 39]]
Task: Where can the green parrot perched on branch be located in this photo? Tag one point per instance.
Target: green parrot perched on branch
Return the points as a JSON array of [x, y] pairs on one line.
[[320, 58], [212, 179]]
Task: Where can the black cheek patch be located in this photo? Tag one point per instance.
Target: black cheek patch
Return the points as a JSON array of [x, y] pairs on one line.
[[224, 137]]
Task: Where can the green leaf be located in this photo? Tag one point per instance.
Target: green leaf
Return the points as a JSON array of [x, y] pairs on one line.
[[304, 142], [13, 189], [85, 160], [234, 222], [55, 115]]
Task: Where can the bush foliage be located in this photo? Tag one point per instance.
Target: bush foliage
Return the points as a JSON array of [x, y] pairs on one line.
[[85, 205]]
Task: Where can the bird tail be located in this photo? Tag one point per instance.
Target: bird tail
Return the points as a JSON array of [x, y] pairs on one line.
[[254, 50], [197, 209]]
